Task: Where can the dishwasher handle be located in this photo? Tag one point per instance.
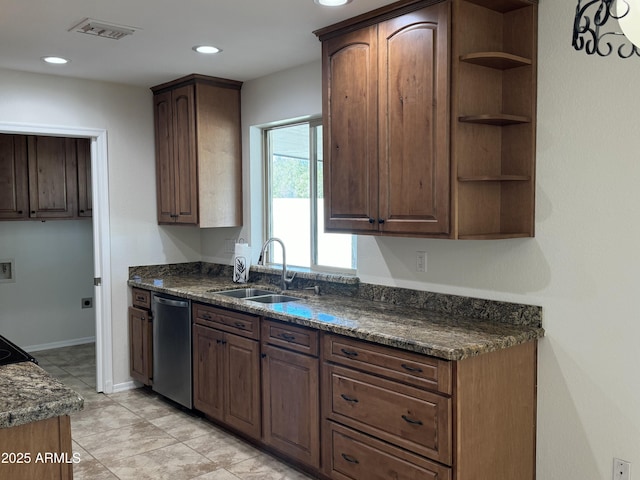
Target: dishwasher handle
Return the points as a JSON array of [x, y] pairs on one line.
[[171, 303]]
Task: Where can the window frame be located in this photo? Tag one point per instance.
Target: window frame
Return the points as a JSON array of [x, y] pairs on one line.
[[313, 123]]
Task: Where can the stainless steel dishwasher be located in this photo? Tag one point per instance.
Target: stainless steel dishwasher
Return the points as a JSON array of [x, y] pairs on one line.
[[172, 375]]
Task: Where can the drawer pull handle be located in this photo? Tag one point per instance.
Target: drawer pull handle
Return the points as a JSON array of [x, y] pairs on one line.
[[348, 398], [349, 458], [288, 337], [240, 325], [139, 297], [349, 353], [411, 369], [411, 420], [206, 316]]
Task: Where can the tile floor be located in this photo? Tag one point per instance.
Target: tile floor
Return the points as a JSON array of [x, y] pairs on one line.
[[137, 435]]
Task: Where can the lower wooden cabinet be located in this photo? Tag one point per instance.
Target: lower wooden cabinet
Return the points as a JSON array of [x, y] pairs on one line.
[[352, 455], [141, 337], [226, 377], [45, 438], [290, 393]]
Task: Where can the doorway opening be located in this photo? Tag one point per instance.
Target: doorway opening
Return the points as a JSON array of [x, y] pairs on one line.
[[101, 237]]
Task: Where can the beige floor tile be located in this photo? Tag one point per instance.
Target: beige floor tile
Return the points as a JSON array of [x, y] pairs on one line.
[[264, 467], [125, 442], [146, 405], [222, 449], [183, 426], [175, 462], [89, 421], [220, 474], [92, 469]]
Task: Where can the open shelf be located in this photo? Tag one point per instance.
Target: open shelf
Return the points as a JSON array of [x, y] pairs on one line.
[[495, 178], [494, 236], [503, 6], [497, 60], [498, 119]]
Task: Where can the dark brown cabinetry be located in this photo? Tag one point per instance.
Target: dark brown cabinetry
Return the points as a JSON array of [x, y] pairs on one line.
[[198, 153], [290, 391], [14, 191], [141, 337], [413, 150], [385, 112], [226, 368], [388, 413], [41, 179]]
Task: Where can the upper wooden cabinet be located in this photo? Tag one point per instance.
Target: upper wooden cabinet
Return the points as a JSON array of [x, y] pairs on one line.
[[198, 152], [40, 177], [14, 190], [429, 114]]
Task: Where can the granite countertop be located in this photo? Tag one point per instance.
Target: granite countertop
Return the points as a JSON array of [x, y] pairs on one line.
[[30, 394], [443, 335]]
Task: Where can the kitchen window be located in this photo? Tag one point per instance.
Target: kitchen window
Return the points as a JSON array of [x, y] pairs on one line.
[[295, 202]]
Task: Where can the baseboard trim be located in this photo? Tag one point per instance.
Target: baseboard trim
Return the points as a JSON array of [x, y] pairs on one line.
[[123, 387], [64, 343]]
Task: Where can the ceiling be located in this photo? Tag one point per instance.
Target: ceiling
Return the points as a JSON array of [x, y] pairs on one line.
[[258, 37]]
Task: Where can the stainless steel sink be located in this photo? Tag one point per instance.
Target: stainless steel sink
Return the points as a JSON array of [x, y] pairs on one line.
[[273, 298], [244, 292]]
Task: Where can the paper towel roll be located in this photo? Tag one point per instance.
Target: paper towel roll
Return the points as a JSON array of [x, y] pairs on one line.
[[241, 263]]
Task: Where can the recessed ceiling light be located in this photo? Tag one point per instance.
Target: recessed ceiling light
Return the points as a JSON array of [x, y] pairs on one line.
[[208, 49], [332, 3], [55, 60]]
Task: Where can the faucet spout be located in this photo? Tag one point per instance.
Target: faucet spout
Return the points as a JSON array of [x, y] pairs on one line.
[[286, 280]]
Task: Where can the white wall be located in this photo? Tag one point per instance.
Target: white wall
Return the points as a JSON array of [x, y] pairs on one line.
[[53, 273], [293, 93], [127, 115], [582, 267]]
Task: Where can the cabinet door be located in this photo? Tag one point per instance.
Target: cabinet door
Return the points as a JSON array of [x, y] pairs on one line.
[[52, 177], [184, 155], [14, 191], [140, 349], [164, 157], [85, 200], [242, 384], [208, 371], [350, 140], [413, 122], [291, 408]]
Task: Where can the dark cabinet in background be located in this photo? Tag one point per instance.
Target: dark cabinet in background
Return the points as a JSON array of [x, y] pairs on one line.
[[44, 178]]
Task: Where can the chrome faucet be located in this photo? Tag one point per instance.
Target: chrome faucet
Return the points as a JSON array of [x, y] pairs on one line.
[[286, 281]]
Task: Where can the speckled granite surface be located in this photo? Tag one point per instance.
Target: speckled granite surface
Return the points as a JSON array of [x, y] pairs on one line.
[[30, 394], [444, 326]]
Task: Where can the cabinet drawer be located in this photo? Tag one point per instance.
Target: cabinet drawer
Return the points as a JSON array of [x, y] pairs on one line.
[[141, 298], [292, 337], [352, 455], [234, 322], [408, 417], [408, 367]]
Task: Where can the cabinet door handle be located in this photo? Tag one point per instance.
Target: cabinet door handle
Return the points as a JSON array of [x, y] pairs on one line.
[[372, 220], [263, 355], [411, 420], [349, 353], [411, 369], [19, 212], [348, 398], [349, 458], [381, 220], [288, 337], [239, 325], [224, 342]]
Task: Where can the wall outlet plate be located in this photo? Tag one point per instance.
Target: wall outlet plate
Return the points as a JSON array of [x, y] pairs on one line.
[[7, 271], [621, 469]]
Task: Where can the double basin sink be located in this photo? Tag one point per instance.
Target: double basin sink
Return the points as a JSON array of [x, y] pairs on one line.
[[257, 295]]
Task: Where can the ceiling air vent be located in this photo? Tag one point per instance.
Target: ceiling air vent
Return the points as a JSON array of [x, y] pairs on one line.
[[98, 28]]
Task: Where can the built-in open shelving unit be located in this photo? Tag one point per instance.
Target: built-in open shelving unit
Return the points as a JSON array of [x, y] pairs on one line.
[[493, 117]]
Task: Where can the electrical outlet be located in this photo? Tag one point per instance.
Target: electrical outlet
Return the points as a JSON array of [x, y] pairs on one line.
[[7, 271], [621, 469], [421, 261]]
